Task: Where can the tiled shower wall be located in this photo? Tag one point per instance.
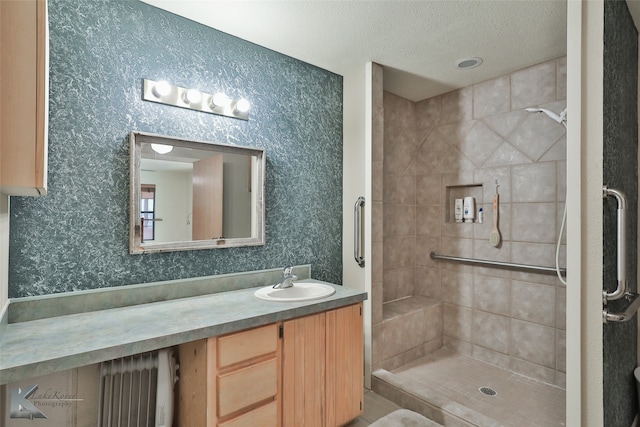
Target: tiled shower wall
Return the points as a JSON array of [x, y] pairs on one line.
[[458, 144]]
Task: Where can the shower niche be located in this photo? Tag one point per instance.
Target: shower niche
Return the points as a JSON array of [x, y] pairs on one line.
[[454, 192]]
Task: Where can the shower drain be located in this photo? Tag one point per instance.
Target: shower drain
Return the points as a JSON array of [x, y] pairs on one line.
[[488, 391]]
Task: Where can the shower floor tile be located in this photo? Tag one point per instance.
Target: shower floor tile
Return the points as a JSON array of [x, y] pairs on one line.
[[455, 381]]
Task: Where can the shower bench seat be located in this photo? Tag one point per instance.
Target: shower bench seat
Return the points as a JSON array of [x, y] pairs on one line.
[[411, 327]]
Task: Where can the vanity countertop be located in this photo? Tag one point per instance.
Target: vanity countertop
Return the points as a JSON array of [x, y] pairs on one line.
[[42, 346]]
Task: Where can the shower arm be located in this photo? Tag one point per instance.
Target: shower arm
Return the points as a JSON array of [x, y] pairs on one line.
[[621, 289]]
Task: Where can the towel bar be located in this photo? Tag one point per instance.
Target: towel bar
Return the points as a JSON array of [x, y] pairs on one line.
[[499, 264]]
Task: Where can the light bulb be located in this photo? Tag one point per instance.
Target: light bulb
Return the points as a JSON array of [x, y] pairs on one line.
[[220, 100], [161, 148], [243, 105], [193, 96], [161, 89]]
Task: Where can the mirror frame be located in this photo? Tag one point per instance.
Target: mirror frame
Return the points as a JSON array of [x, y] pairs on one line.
[[137, 246]]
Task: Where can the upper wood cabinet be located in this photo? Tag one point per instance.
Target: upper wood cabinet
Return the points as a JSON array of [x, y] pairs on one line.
[[24, 74]]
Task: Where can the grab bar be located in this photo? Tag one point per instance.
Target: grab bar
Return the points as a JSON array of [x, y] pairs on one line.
[[632, 308], [499, 264], [621, 289], [633, 299], [357, 232]]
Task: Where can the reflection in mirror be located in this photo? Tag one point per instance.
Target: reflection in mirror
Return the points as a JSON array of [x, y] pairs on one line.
[[188, 195]]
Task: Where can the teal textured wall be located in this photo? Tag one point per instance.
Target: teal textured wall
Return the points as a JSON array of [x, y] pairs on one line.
[[77, 237]]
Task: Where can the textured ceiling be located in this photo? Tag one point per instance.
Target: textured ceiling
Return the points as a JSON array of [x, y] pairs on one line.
[[417, 42]]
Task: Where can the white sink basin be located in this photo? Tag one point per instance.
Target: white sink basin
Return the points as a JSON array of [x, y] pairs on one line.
[[300, 291]]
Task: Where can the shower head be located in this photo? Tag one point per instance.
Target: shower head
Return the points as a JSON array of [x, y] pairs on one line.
[[561, 118]]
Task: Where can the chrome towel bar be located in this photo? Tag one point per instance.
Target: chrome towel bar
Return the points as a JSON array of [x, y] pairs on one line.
[[499, 264]]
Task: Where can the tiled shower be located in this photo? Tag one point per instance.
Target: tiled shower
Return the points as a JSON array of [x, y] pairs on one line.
[[426, 154]]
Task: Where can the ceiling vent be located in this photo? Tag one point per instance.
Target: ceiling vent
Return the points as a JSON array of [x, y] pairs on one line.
[[467, 63]]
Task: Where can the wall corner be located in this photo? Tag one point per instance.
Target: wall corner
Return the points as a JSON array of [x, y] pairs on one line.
[[4, 254]]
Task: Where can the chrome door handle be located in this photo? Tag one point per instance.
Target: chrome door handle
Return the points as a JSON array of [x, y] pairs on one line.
[[632, 299], [621, 289], [357, 231]]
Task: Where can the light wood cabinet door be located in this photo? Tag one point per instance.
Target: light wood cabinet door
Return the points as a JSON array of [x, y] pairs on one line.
[[323, 368], [303, 372], [345, 364], [24, 100]]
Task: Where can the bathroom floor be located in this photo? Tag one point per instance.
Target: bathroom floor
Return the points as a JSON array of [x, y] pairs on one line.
[[375, 407], [446, 385]]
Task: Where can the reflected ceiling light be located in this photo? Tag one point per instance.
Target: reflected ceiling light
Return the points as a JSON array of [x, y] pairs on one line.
[[193, 96], [219, 103], [161, 88], [161, 148], [243, 105], [220, 100], [467, 63]]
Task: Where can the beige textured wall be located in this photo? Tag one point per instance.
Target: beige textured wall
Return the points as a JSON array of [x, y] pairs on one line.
[[457, 144]]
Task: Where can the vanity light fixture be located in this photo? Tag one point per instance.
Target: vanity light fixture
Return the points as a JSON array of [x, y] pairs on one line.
[[242, 105], [161, 148], [192, 99], [161, 88], [193, 96], [220, 100]]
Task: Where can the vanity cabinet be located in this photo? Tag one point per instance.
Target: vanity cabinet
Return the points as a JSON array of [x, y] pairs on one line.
[[303, 372], [23, 97], [232, 380]]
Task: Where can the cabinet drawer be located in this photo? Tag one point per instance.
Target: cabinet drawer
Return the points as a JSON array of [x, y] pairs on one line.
[[247, 345], [264, 416], [248, 386]]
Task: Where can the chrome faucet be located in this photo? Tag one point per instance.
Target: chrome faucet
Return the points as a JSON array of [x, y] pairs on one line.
[[287, 279]]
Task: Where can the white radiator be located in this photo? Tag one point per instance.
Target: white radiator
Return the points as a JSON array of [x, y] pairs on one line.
[[137, 391]]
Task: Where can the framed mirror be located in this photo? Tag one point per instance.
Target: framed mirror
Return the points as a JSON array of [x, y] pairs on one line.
[[188, 195]]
